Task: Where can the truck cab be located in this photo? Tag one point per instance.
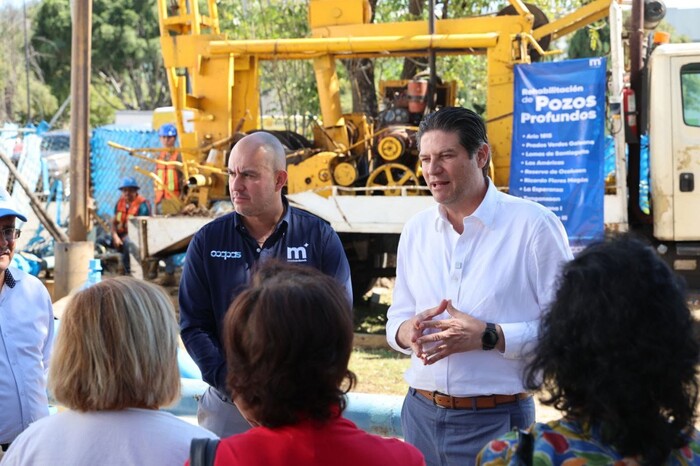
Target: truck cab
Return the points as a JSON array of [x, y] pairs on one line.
[[674, 153]]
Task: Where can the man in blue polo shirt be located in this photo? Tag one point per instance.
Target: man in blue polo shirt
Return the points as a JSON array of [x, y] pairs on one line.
[[223, 254]]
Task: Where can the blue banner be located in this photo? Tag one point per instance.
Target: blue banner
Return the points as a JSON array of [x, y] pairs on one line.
[[557, 157]]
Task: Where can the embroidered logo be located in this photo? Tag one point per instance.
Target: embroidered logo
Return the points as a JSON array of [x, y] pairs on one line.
[[297, 254], [226, 254]]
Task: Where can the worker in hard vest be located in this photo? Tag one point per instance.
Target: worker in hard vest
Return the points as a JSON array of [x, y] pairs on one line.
[[171, 178], [130, 204], [168, 174]]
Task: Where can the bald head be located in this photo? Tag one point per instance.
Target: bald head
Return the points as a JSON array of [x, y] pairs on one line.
[[257, 173], [266, 143]]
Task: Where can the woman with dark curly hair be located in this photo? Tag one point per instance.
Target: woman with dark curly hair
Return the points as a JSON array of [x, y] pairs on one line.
[[288, 339], [617, 356]]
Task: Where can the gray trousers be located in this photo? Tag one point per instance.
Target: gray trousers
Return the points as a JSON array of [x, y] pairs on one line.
[[217, 413], [451, 437]]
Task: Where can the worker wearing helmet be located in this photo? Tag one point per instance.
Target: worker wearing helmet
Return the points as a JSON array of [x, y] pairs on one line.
[[168, 174], [130, 204], [171, 178]]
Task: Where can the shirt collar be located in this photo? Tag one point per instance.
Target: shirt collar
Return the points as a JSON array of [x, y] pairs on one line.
[[485, 213]]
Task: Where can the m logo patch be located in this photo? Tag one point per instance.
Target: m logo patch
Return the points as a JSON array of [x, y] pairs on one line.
[[297, 254]]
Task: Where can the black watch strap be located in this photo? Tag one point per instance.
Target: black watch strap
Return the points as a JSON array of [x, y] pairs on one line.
[[489, 339]]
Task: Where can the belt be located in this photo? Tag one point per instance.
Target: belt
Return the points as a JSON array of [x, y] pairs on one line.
[[470, 402]]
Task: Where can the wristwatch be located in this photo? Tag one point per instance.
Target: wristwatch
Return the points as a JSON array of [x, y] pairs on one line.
[[489, 339]]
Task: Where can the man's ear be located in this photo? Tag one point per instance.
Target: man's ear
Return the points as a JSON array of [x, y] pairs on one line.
[[280, 179], [483, 154]]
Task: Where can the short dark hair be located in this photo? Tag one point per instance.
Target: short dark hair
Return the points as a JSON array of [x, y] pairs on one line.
[[616, 349], [468, 125], [288, 340]]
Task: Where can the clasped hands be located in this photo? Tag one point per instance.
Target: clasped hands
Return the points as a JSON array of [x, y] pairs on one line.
[[432, 340]]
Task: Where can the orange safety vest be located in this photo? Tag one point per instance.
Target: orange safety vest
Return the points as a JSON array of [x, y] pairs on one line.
[[169, 175], [124, 211]]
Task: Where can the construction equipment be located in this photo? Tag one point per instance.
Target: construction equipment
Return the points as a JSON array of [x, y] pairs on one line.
[[359, 174]]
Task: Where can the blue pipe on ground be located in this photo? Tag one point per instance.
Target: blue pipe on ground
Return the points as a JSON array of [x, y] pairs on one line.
[[377, 414]]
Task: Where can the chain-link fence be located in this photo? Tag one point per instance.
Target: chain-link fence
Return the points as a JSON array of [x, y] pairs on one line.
[[108, 166]]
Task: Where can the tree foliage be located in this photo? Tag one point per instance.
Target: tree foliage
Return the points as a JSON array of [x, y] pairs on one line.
[[468, 70], [126, 59], [128, 72], [287, 87], [591, 41], [13, 76]]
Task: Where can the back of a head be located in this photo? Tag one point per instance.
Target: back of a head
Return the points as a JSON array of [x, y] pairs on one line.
[[288, 340], [116, 348], [617, 349]]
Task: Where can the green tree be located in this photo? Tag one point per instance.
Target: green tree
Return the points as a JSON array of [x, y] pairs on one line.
[[287, 87], [126, 59], [591, 41], [594, 40], [470, 71], [13, 75]]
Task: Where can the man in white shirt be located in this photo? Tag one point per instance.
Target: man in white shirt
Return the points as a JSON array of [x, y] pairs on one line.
[[474, 274], [26, 335]]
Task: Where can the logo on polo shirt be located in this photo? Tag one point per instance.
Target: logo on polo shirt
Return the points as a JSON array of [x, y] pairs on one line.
[[226, 254], [297, 254]]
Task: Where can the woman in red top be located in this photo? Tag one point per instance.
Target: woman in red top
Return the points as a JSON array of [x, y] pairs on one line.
[[288, 341]]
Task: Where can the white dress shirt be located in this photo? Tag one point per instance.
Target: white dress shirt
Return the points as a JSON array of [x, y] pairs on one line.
[[26, 338], [501, 269]]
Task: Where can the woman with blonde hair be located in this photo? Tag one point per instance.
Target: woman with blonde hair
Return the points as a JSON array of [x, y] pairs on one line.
[[114, 364]]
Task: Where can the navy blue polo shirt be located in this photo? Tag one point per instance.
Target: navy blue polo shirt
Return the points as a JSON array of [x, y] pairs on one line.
[[218, 266]]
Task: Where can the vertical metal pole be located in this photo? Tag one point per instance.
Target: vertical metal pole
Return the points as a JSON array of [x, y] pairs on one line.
[[617, 68], [432, 88], [635, 214], [26, 63], [80, 119]]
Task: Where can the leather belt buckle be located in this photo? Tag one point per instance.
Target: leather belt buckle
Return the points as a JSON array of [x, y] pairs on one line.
[[435, 402]]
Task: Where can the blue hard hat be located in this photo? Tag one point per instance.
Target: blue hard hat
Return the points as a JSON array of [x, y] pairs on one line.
[[167, 130], [129, 182]]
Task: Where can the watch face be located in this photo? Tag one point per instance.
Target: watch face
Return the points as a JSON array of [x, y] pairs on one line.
[[490, 337]]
